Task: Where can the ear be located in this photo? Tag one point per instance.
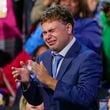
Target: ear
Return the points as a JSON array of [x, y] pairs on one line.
[[69, 28]]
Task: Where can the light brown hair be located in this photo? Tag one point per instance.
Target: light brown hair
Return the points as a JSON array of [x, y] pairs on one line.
[[57, 12]]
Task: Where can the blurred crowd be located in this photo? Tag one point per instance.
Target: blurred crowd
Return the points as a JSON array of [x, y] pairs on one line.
[[21, 40]]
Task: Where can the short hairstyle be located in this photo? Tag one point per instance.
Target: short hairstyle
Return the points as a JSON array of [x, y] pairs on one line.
[[57, 12]]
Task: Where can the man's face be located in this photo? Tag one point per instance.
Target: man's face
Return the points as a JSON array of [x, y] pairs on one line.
[[72, 5], [56, 34]]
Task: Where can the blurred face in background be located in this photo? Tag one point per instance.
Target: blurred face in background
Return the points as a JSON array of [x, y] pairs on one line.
[[108, 14], [92, 4], [106, 9], [46, 2], [72, 5]]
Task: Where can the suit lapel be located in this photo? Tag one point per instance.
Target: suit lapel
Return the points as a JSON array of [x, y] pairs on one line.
[[70, 56]]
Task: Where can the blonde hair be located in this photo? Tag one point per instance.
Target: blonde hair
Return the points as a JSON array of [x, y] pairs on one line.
[[22, 103]]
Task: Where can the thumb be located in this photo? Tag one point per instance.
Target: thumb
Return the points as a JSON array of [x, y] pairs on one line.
[[42, 64], [22, 64]]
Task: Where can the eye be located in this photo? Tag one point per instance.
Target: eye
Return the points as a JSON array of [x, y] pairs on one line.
[[44, 33], [52, 30]]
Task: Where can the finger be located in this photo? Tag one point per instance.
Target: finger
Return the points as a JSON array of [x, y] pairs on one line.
[[33, 63], [17, 80], [29, 65], [15, 75], [42, 65], [29, 61], [13, 68], [22, 64]]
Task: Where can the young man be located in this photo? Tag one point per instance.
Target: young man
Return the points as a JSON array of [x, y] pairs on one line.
[[75, 83]]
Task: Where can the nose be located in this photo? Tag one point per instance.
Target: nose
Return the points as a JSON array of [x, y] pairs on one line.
[[48, 36]]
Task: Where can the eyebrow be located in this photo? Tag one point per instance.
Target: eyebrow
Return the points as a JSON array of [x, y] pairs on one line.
[[50, 30]]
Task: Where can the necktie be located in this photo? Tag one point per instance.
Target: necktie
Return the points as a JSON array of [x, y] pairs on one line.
[[55, 64]]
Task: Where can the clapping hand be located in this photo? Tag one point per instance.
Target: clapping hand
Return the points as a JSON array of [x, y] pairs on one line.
[[21, 74]]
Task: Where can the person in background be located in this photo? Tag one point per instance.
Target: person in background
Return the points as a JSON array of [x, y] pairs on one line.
[[22, 10], [19, 99], [75, 82], [24, 105], [105, 23], [92, 5], [5, 58], [40, 5], [86, 28], [30, 47], [10, 35], [108, 103]]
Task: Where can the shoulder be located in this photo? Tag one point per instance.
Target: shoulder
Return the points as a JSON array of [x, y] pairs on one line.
[[87, 23], [86, 53], [45, 55]]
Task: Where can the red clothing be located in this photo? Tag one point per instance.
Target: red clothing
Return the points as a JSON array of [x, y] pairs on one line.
[[23, 56]]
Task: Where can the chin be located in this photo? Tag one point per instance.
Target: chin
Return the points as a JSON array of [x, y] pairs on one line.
[[53, 49]]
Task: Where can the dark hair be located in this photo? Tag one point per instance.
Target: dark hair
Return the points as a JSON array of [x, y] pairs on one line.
[[5, 58], [84, 10], [106, 7], [57, 12]]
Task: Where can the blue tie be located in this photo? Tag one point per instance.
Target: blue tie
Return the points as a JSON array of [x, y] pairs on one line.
[[55, 64]]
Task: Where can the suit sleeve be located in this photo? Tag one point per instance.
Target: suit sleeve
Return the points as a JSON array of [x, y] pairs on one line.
[[32, 94], [85, 90]]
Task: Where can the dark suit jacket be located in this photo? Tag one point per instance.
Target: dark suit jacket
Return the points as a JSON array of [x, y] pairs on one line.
[[78, 81]]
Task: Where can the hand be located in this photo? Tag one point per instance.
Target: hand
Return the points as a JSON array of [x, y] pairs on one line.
[[40, 71], [42, 74], [21, 74]]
